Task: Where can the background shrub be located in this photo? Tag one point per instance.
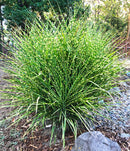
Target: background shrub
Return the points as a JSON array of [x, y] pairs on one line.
[[60, 73]]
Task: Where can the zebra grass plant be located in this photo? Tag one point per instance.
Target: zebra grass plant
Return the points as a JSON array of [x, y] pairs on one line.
[[59, 73]]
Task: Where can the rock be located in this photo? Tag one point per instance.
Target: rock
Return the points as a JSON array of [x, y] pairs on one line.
[[125, 135], [128, 74], [101, 101], [128, 83], [95, 141], [116, 90], [124, 96], [123, 84], [128, 92]]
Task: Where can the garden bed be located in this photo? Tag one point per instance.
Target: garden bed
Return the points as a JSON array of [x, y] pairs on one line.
[[12, 139]]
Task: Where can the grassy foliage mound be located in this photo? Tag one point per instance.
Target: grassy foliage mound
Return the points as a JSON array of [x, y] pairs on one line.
[[60, 74]]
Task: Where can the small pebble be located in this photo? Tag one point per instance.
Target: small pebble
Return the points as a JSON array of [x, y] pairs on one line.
[[125, 135], [119, 112], [128, 74]]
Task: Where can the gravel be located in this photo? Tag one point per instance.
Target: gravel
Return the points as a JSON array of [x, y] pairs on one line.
[[118, 113]]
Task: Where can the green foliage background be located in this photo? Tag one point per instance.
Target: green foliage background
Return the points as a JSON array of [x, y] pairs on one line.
[[16, 12]]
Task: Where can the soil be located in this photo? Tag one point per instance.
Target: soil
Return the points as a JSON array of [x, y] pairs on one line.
[[11, 139]]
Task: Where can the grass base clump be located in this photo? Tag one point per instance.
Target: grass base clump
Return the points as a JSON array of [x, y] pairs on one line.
[[60, 73]]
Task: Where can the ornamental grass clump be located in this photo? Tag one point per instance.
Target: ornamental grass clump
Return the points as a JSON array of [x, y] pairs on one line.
[[59, 74]]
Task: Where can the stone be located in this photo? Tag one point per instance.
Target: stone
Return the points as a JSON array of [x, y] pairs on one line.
[[95, 141], [128, 74], [101, 101], [123, 84], [128, 92], [116, 90], [125, 135], [128, 83]]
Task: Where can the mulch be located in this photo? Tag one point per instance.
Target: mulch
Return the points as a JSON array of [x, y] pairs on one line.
[[39, 140]]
